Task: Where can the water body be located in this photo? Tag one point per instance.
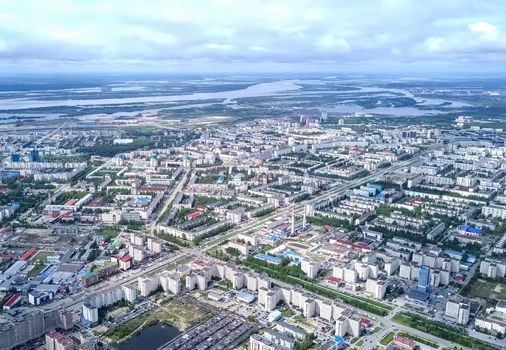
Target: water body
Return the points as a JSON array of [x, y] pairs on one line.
[[150, 338], [258, 90]]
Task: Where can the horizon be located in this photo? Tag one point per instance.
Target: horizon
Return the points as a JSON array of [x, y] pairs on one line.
[[258, 36]]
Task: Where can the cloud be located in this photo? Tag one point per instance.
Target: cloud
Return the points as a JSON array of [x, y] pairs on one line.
[[486, 29], [248, 34]]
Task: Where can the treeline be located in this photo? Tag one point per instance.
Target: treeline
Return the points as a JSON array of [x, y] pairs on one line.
[[389, 234], [440, 329], [285, 274], [212, 233], [174, 239], [321, 221]]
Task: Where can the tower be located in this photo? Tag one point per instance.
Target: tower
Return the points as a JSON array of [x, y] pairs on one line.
[[424, 279], [304, 220], [293, 221]]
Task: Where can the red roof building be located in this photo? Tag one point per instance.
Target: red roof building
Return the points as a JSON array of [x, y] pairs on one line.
[[12, 301], [151, 189], [404, 343], [333, 282], [125, 262], [194, 215], [365, 322], [28, 254]]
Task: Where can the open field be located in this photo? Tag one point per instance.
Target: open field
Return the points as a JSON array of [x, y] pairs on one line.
[[490, 290], [42, 255], [181, 316], [387, 339]]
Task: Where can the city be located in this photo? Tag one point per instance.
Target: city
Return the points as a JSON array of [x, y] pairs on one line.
[[260, 175]]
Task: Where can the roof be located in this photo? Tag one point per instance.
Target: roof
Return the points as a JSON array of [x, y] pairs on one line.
[[12, 300], [26, 255], [406, 341], [126, 258], [334, 279], [338, 339], [246, 297], [194, 214], [471, 229], [268, 258]]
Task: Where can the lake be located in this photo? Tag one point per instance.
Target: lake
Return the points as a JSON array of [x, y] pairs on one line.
[[150, 338]]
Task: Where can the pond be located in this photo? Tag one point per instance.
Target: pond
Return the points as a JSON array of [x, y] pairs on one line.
[[150, 338]]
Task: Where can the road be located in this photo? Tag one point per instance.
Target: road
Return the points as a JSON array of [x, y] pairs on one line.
[[330, 194], [172, 195], [125, 278], [186, 253]]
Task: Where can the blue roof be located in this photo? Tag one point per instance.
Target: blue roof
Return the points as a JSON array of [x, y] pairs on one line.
[[338, 339], [8, 174], [269, 258], [454, 252], [292, 255], [470, 257], [471, 229], [272, 238], [379, 187]]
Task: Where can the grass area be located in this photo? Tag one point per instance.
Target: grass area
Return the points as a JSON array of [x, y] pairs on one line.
[[109, 232], [419, 339], [42, 255], [387, 339], [438, 329], [200, 200], [287, 313], [36, 269], [484, 288], [181, 316], [359, 343]]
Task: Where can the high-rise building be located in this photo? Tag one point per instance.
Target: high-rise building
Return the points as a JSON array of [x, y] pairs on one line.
[[34, 156], [424, 279], [22, 325]]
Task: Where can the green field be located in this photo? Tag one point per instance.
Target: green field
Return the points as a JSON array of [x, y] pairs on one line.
[[487, 289], [42, 255], [387, 339], [36, 270]]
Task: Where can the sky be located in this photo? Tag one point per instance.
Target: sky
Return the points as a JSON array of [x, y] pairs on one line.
[[252, 35]]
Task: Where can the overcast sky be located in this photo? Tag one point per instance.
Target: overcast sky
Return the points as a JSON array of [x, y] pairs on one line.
[[252, 35]]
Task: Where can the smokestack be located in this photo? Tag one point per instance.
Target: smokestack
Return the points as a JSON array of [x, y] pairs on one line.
[[304, 221], [293, 221]]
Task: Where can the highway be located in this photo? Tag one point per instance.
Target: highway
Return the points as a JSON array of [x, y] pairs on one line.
[[125, 278], [329, 194], [186, 253]]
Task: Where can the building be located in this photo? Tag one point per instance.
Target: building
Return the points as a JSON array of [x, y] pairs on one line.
[[148, 285], [310, 268], [129, 293], [90, 311], [404, 342], [348, 323], [493, 268], [22, 325], [257, 342], [376, 287], [58, 341], [37, 298], [424, 279], [490, 325], [125, 262], [458, 311]]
